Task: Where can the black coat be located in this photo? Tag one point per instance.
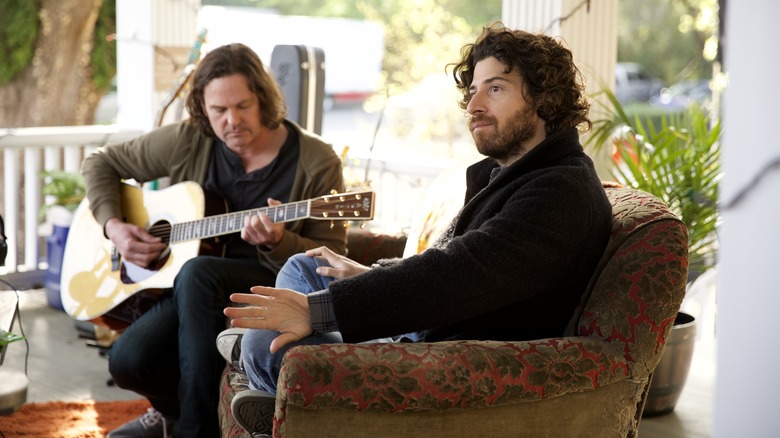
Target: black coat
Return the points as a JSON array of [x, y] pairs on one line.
[[523, 250]]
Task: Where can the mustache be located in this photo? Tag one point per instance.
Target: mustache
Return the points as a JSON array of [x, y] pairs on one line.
[[481, 119]]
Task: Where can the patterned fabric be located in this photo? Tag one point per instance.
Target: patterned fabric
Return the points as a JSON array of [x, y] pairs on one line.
[[232, 382], [364, 247], [447, 375], [617, 335]]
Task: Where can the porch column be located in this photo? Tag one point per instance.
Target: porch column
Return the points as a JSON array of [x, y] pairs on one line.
[[154, 38], [747, 380], [589, 30]]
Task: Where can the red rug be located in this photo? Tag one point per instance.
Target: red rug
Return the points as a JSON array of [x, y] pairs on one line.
[[84, 419]]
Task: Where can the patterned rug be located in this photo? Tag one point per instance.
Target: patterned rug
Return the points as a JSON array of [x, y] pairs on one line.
[[83, 419]]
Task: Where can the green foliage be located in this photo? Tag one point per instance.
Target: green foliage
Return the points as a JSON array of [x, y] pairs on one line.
[[19, 26], [421, 38], [103, 57], [677, 160], [475, 13], [66, 188], [8, 337], [18, 32], [669, 38]]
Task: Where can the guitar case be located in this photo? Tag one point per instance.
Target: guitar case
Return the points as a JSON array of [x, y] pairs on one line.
[[300, 72]]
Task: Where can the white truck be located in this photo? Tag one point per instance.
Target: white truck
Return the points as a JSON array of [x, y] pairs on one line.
[[353, 48]]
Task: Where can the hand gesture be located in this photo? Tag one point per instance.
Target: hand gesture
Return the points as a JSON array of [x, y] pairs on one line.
[[340, 266], [134, 243], [282, 310], [261, 230]]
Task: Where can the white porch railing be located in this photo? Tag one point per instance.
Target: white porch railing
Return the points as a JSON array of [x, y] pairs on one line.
[[27, 152]]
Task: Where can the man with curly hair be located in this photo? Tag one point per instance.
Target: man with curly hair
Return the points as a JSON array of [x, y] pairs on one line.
[[237, 144], [512, 265]]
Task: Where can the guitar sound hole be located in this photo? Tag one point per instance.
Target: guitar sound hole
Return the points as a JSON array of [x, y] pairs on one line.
[[162, 230]]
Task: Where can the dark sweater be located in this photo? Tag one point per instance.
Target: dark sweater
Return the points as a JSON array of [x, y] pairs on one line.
[[523, 250]]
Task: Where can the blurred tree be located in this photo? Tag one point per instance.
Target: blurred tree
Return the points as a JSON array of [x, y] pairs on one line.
[[60, 62], [475, 13], [674, 40], [421, 36]]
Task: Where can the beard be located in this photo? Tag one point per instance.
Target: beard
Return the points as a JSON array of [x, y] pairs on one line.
[[507, 141]]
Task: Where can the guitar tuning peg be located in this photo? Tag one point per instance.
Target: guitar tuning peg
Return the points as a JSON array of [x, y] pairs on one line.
[[362, 225], [333, 191], [332, 225]]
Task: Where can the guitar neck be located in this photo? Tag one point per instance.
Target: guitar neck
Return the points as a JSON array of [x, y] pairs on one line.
[[228, 223]]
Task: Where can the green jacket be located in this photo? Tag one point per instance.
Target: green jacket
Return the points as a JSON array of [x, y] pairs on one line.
[[180, 152]]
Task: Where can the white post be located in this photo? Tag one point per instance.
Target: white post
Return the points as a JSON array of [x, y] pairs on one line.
[[135, 57], [153, 40], [590, 32], [747, 380], [32, 192], [11, 204]]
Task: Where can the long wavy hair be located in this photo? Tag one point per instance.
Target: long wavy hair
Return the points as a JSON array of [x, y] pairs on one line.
[[235, 59], [552, 83]]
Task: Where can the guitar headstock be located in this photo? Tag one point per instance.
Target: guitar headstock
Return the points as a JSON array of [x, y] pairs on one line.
[[354, 206]]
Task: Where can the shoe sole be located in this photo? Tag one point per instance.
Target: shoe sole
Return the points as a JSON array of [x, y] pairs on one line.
[[229, 344], [254, 411]]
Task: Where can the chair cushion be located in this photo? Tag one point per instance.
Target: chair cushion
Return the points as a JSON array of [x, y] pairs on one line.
[[639, 283]]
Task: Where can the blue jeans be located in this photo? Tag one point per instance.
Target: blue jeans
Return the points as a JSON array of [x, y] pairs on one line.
[[262, 366], [169, 354]]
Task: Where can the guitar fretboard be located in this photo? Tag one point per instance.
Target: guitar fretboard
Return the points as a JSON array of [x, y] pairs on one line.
[[233, 222]]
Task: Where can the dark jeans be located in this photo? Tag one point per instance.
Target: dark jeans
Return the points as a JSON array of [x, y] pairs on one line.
[[169, 354]]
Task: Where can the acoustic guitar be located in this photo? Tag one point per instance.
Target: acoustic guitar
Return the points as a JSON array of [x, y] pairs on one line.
[[97, 285]]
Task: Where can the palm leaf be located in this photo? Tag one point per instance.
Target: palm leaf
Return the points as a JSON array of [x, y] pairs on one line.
[[676, 159]]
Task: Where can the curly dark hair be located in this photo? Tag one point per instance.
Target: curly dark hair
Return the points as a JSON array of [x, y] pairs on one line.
[[235, 59], [552, 83]]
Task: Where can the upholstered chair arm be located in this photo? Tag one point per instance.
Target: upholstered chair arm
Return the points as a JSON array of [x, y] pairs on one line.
[[444, 375]]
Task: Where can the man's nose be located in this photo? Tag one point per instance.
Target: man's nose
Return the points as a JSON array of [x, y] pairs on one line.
[[233, 117], [476, 103]]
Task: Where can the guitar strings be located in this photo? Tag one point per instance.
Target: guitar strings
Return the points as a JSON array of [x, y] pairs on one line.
[[164, 229]]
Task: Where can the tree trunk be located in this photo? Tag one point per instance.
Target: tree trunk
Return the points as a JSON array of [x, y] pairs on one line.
[[56, 88]]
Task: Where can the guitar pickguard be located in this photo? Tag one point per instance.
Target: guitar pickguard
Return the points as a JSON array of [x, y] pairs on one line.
[[89, 286]]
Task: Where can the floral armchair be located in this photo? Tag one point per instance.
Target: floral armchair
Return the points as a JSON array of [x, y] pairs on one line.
[[592, 382]]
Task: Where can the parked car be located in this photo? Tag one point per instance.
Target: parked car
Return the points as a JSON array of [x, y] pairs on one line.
[[634, 84], [683, 94]]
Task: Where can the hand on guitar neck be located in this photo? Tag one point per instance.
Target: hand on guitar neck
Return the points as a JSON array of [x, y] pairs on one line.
[[260, 230]]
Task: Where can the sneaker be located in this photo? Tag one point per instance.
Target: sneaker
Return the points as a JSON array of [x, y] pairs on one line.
[[254, 411], [229, 345], [152, 424]]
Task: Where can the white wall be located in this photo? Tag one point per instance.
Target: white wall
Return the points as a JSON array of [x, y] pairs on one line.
[[748, 375], [150, 33], [134, 71]]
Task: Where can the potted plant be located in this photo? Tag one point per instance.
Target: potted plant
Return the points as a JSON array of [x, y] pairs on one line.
[[63, 191], [675, 157]]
